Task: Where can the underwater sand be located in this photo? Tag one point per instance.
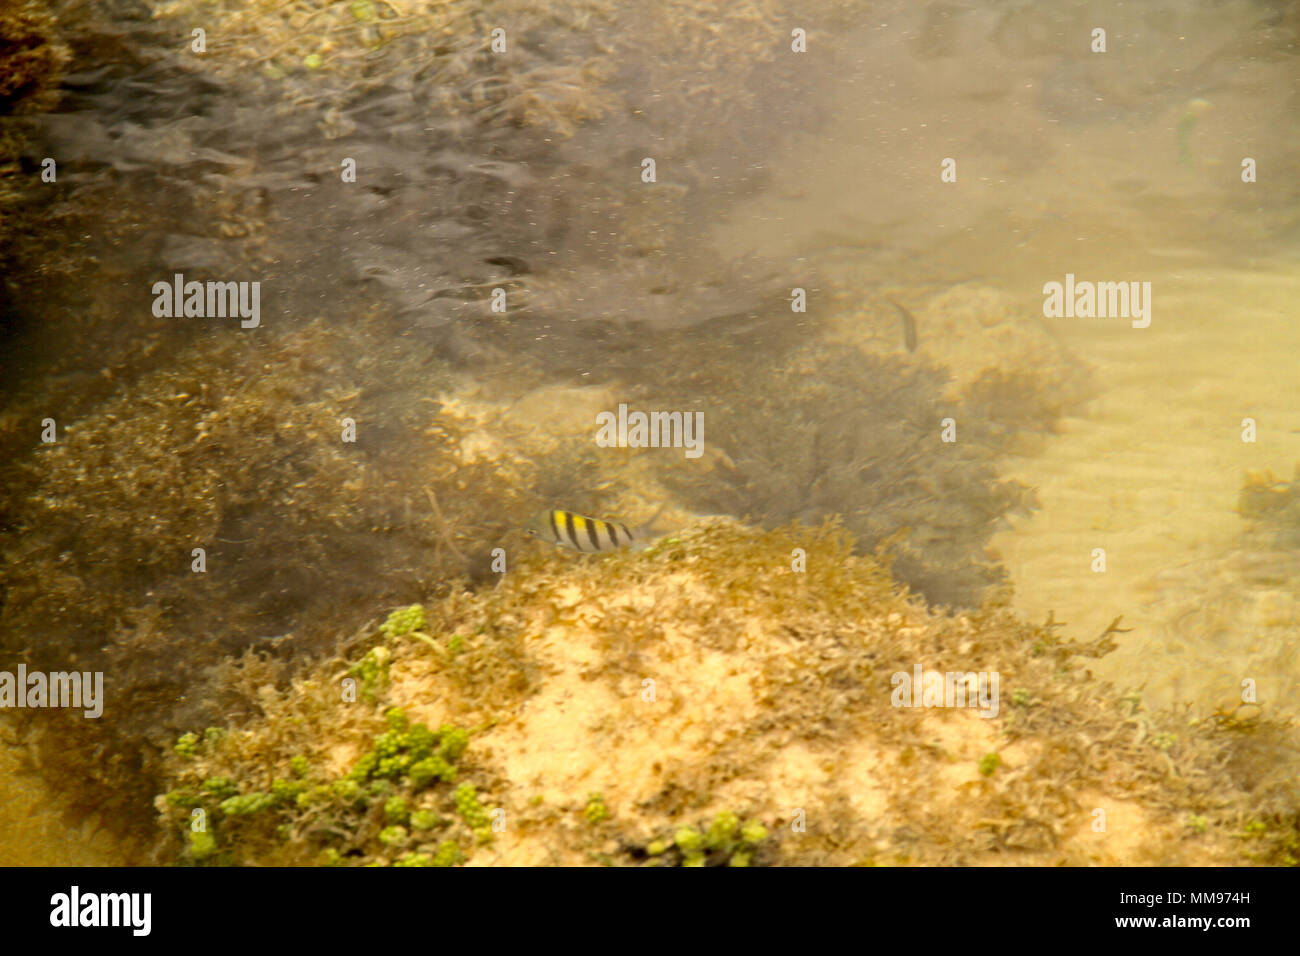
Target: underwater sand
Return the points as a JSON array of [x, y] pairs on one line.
[[1153, 471]]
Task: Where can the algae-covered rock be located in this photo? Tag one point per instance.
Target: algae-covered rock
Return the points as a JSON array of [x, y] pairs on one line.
[[822, 431], [32, 57], [373, 812], [715, 700]]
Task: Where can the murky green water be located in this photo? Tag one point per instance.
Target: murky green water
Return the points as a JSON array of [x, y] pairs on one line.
[[775, 170]]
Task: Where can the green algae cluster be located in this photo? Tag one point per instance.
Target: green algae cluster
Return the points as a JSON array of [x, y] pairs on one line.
[[391, 808], [412, 752], [595, 811], [372, 671], [1272, 842], [726, 840], [473, 812], [403, 621]]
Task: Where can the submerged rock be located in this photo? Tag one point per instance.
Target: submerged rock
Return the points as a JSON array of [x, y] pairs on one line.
[[727, 697]]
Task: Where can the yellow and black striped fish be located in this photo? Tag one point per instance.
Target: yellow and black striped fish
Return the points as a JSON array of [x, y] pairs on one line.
[[589, 535]]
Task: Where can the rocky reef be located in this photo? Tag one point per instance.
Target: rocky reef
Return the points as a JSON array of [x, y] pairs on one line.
[[727, 697]]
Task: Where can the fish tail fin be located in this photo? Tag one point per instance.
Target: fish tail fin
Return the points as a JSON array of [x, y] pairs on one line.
[[646, 529]]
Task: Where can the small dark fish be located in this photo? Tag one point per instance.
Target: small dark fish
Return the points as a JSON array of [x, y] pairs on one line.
[[909, 326]]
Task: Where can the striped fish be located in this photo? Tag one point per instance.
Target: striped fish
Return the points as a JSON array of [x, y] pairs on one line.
[[588, 535]]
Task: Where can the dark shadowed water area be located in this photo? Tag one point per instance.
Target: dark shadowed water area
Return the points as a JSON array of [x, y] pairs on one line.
[[519, 176]]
